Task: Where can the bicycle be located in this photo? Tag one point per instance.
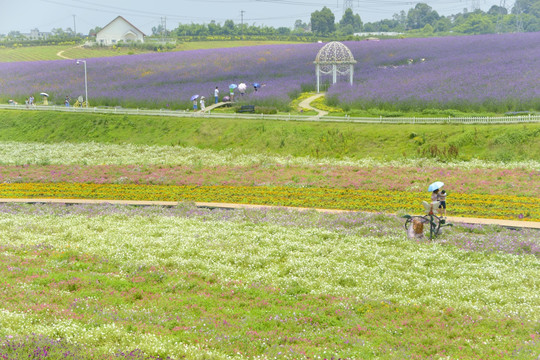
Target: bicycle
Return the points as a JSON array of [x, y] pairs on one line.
[[435, 223]]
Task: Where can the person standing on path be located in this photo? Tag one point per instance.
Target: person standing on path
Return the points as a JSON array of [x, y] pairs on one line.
[[216, 94], [203, 106], [442, 200]]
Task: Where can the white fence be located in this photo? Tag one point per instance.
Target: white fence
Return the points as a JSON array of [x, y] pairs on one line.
[[367, 120]]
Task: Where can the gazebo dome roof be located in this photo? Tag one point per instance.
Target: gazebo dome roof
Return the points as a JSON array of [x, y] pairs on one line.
[[334, 53]]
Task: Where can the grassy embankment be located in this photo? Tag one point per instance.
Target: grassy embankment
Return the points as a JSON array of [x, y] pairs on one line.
[[41, 53], [389, 142]]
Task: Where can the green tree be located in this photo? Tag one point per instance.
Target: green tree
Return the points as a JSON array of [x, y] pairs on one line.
[[428, 29], [300, 26], [283, 30], [213, 28], [94, 31], [351, 19], [476, 23], [443, 24], [229, 28], [530, 23], [526, 7], [323, 22], [497, 10], [401, 20], [420, 16]]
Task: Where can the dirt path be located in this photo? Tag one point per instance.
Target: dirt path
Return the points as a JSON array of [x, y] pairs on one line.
[[306, 104], [61, 53], [450, 219]]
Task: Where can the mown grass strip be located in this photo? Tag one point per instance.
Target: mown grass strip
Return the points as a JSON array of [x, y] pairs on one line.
[[468, 205], [505, 143]]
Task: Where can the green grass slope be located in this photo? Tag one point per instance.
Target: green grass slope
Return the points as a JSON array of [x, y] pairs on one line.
[[40, 53], [334, 140]]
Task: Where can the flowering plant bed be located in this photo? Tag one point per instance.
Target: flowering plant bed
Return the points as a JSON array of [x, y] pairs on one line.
[[109, 282], [469, 205]]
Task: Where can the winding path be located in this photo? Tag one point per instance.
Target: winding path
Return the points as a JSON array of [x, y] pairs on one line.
[[306, 104], [452, 219], [61, 53]]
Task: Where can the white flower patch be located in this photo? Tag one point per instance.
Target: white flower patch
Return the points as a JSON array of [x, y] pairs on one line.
[[298, 260], [15, 153], [109, 336]]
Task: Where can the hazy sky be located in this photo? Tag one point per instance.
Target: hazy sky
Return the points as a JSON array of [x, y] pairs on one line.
[[23, 15]]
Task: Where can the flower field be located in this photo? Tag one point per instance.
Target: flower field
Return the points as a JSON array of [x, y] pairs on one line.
[[182, 282], [503, 69], [109, 282], [187, 174], [128, 282], [488, 206]]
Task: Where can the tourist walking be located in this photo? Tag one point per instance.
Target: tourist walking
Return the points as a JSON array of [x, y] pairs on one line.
[[216, 94], [203, 106]]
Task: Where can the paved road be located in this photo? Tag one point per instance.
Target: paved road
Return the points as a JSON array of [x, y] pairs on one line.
[[451, 219]]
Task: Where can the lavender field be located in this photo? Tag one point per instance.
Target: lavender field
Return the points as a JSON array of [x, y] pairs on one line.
[[493, 73]]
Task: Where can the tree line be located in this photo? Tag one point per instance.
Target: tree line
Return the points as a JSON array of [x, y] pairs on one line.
[[422, 19], [524, 16]]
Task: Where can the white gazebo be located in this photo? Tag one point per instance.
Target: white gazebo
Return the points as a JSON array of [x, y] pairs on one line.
[[336, 59]]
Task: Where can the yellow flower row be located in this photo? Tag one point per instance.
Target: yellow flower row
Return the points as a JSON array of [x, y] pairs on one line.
[[489, 206]]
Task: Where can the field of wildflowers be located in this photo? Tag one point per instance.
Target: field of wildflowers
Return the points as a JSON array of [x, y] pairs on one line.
[[136, 172], [113, 282], [85, 282], [122, 282], [491, 72]]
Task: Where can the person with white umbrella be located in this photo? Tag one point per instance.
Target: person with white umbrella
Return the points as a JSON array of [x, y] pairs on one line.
[[434, 188], [242, 88]]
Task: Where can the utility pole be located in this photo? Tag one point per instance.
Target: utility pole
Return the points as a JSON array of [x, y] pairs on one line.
[[163, 28], [500, 17], [74, 26], [242, 22], [347, 4]]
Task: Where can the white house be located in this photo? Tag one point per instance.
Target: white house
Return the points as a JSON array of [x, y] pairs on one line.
[[35, 34], [119, 30]]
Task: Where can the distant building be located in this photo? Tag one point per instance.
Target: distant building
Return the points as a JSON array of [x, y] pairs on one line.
[[35, 34], [119, 30], [378, 33]]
